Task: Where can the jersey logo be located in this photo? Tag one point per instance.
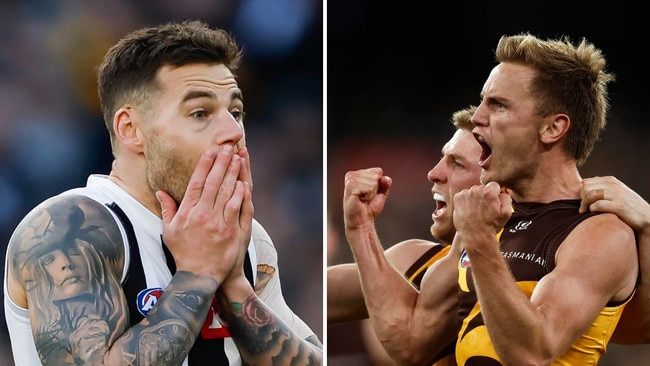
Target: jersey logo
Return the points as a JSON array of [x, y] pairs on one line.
[[213, 327], [521, 225], [147, 299], [464, 260]]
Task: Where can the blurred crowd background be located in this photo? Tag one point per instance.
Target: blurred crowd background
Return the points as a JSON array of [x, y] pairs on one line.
[[397, 71], [52, 135]]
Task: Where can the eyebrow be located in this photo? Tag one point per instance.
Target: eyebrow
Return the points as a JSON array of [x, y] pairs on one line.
[[195, 94]]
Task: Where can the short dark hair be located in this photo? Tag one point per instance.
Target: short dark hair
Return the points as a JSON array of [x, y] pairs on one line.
[[128, 71]]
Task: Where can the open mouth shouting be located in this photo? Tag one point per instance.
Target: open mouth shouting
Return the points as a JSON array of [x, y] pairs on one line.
[[441, 205], [486, 153]]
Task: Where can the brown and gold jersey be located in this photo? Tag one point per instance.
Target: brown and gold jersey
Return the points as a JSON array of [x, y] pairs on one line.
[[529, 242], [414, 274]]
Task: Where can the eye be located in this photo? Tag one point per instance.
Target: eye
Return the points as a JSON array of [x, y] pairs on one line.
[[47, 259], [73, 252], [200, 115], [237, 115]]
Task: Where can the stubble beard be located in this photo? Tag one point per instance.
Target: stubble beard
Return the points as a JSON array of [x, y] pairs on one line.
[[167, 170]]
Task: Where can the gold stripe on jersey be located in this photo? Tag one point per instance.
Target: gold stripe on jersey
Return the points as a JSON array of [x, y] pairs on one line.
[[462, 270], [414, 274], [419, 272]]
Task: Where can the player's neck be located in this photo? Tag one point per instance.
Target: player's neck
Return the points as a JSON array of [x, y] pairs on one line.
[[134, 181]]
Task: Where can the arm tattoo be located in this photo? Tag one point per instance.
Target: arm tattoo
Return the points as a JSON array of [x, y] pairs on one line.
[[68, 254], [261, 336], [171, 327]]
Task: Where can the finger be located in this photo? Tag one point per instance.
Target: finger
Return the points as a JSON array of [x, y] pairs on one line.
[[506, 200], [197, 180], [493, 187], [167, 206], [599, 194], [217, 175], [228, 183], [385, 183], [246, 218], [590, 196], [245, 174], [247, 210], [233, 206]]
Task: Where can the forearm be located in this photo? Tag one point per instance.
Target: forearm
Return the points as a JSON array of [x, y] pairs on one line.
[[344, 296], [171, 327], [261, 336], [512, 322], [392, 303]]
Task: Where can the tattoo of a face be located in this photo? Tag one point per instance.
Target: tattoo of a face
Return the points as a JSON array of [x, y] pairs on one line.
[[68, 254]]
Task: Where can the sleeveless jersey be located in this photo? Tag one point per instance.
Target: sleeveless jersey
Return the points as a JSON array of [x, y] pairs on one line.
[[414, 274], [149, 269], [529, 241]]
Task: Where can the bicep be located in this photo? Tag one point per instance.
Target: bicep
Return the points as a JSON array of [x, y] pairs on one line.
[[596, 264], [68, 256]]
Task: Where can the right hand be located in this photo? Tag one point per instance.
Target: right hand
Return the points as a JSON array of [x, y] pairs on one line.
[[608, 194], [365, 194], [204, 232]]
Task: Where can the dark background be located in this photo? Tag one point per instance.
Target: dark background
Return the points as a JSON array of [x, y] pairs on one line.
[[397, 70], [52, 134]]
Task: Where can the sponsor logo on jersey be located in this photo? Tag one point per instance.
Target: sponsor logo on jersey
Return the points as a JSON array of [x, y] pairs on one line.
[[521, 225], [147, 299]]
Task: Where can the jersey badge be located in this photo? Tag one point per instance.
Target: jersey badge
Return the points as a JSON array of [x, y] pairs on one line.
[[147, 298], [464, 260]]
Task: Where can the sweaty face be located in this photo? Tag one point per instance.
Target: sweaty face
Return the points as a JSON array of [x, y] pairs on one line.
[[507, 127], [200, 108], [458, 169]]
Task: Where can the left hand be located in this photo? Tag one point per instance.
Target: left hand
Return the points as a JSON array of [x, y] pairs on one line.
[[481, 210]]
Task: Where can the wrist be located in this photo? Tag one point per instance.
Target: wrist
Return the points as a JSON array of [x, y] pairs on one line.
[[236, 288]]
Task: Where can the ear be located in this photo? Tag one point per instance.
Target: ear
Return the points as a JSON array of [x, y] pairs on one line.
[[127, 125], [554, 127]]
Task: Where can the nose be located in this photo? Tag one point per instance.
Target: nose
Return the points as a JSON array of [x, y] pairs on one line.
[[229, 130], [436, 174], [478, 118]]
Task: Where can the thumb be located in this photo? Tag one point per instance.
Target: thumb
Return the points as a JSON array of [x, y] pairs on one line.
[[167, 206], [505, 196]]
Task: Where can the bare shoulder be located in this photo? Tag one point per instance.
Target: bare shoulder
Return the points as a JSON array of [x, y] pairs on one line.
[[66, 260], [603, 236], [403, 254], [605, 230], [607, 242]]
